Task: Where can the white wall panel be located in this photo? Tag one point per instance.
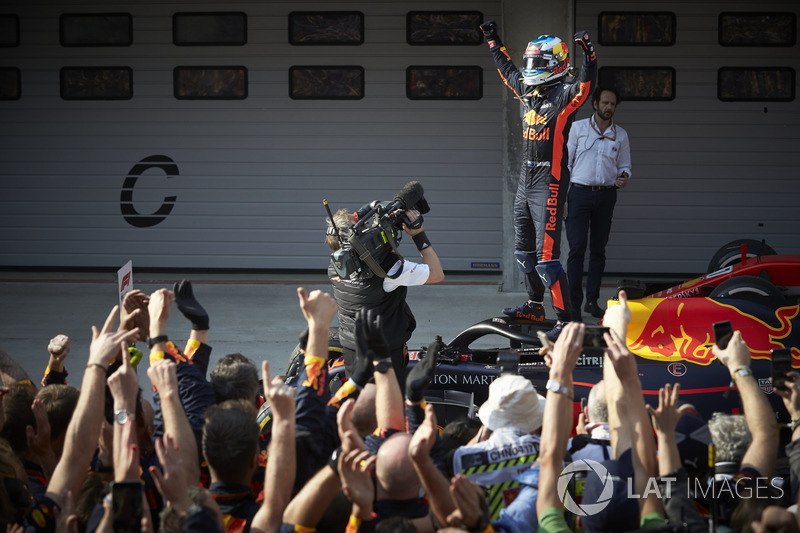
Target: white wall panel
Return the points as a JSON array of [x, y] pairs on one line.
[[252, 173], [705, 172]]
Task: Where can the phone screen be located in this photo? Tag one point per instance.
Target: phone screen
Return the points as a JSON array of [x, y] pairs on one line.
[[781, 364], [722, 333], [126, 497], [593, 337]]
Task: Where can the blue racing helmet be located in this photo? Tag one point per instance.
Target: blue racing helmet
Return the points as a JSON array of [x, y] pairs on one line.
[[546, 61]]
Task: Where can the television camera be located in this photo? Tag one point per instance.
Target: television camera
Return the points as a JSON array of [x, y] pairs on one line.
[[376, 233]]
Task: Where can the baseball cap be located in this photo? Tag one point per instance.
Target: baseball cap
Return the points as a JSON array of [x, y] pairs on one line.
[[513, 402]]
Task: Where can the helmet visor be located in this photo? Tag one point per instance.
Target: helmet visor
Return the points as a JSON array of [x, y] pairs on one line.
[[535, 62]]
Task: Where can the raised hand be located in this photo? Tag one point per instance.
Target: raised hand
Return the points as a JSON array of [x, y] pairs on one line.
[[617, 317], [158, 308], [791, 394], [348, 435], [472, 510], [318, 307], [582, 39], [39, 438], [357, 485], [163, 375], [566, 351], [189, 306], [735, 355], [171, 479], [58, 349], [622, 359], [665, 417], [363, 367], [489, 29], [124, 384], [421, 375], [134, 311], [107, 345], [279, 395], [369, 335], [424, 437]]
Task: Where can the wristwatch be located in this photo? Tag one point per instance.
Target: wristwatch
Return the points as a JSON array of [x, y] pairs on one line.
[[121, 416], [742, 371], [383, 366], [555, 386], [152, 341]]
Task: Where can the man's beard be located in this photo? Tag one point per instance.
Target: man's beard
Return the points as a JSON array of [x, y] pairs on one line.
[[605, 115]]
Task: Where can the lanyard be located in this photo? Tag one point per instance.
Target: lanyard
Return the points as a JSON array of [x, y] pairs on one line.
[[600, 133]]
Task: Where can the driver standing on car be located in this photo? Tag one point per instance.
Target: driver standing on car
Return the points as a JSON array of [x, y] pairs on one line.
[[548, 105], [387, 295]]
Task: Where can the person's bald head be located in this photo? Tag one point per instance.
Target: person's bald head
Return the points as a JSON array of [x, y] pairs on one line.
[[363, 415], [397, 479], [596, 405]]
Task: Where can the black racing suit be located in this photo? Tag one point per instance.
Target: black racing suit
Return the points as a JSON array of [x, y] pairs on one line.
[[548, 113]]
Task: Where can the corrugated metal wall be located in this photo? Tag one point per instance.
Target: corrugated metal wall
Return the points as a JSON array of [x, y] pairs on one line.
[[252, 173], [705, 172]]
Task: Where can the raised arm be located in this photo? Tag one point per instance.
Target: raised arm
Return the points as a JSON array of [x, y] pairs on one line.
[[557, 421], [678, 506], [192, 310], [436, 485], [425, 248], [58, 348], [389, 409], [163, 376], [762, 453], [84, 428], [281, 460], [194, 391], [628, 420], [124, 387]]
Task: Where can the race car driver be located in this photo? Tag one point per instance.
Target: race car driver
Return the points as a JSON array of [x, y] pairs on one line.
[[549, 105]]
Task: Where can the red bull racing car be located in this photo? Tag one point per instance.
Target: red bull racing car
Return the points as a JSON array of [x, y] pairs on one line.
[[671, 333]]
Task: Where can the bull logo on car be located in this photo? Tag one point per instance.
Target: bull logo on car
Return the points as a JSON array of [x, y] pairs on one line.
[[671, 330]]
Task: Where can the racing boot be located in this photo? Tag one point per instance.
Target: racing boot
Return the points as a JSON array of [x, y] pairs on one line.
[[556, 331], [530, 310]]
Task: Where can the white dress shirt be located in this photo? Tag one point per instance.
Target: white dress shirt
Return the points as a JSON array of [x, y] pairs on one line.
[[595, 158]]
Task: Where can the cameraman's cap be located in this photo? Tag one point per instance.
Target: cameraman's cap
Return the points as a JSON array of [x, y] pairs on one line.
[[513, 402]]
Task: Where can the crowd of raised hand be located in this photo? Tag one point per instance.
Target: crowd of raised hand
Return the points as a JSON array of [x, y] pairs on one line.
[[234, 449]]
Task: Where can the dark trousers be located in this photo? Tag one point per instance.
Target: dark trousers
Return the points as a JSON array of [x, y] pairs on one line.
[[589, 215], [538, 211]]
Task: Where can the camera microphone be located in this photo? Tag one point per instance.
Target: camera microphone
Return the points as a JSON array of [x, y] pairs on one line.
[[412, 196]]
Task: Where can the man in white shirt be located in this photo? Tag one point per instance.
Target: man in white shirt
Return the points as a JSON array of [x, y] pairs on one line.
[[599, 164]]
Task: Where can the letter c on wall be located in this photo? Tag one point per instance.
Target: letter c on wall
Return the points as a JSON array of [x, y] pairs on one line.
[[133, 217]]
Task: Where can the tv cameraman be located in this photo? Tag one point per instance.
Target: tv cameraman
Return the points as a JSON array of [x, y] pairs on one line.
[[387, 295]]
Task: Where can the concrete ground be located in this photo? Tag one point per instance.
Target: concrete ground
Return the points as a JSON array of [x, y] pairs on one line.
[[255, 314]]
